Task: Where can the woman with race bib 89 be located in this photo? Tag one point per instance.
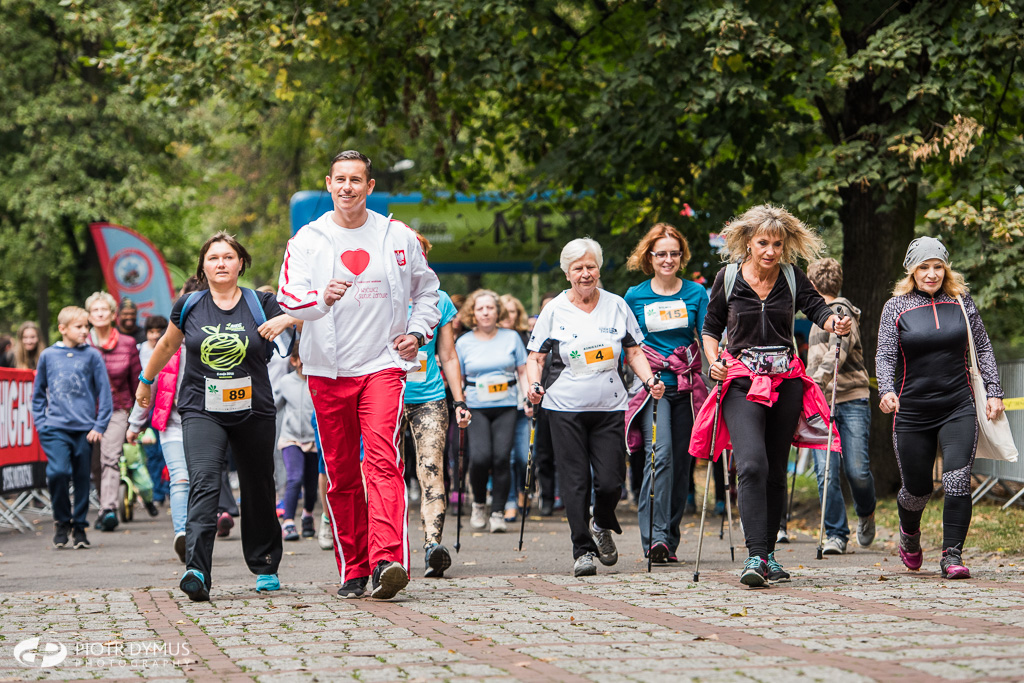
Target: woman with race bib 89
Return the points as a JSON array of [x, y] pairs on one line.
[[493, 360], [225, 398], [587, 330], [670, 311]]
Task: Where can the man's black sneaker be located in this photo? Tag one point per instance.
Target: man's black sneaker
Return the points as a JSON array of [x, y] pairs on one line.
[[659, 553], [755, 573], [60, 534], [775, 569], [151, 508], [307, 526], [78, 539], [353, 588], [547, 507], [388, 578], [438, 559], [193, 584]]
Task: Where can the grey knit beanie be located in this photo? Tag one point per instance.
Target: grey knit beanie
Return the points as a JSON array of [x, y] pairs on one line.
[[924, 248]]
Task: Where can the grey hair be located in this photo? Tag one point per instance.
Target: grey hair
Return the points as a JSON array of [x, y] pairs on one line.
[[101, 296], [576, 249]]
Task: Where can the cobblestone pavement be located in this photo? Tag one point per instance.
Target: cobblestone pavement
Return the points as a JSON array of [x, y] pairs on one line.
[[857, 618]]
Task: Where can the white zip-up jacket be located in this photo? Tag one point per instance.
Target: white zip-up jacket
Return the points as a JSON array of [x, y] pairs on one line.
[[308, 267]]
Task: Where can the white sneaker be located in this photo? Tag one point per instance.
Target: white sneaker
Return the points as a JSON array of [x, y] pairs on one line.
[[324, 536], [478, 519], [833, 546], [498, 523], [782, 536]]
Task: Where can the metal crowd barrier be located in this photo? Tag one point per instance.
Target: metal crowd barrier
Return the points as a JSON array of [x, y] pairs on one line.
[[993, 472]]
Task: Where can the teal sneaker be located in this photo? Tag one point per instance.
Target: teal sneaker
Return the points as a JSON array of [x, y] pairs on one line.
[[775, 570], [193, 584], [754, 573], [267, 583]]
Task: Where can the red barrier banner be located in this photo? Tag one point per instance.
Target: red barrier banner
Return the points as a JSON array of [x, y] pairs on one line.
[[22, 462]]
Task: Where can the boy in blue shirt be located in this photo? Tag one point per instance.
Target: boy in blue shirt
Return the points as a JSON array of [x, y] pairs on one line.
[[71, 406]]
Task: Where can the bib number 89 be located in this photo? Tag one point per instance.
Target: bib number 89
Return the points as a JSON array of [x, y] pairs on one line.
[[238, 394]]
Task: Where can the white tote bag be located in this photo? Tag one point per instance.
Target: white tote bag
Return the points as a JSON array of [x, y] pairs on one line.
[[995, 442]]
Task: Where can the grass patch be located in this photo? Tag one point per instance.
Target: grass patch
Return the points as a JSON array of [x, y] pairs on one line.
[[992, 529]]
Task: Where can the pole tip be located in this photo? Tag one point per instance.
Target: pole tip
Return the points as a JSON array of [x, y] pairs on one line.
[[819, 553], [696, 577]]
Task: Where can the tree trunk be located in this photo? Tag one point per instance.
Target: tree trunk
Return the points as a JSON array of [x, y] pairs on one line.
[[874, 243]]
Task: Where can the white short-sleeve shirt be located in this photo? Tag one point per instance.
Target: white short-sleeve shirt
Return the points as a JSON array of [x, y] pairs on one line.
[[586, 349]]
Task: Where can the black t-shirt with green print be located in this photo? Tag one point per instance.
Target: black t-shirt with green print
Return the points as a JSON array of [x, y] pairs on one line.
[[224, 348]]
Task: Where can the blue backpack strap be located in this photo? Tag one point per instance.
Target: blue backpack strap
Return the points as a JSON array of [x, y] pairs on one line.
[[255, 307], [190, 303], [285, 341], [730, 279]]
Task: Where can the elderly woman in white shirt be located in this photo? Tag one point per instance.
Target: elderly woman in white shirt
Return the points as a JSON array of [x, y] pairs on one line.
[[587, 330]]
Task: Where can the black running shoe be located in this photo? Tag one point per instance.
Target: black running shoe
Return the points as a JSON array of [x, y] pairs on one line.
[[659, 553], [388, 578], [438, 559], [775, 569], [755, 573], [152, 509], [60, 534], [78, 539], [354, 588], [307, 526], [193, 584]]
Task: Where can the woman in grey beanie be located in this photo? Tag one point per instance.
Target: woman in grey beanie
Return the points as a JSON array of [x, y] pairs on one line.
[[921, 365]]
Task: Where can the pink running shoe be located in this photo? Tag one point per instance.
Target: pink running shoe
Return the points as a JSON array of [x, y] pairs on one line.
[[953, 565], [910, 549]]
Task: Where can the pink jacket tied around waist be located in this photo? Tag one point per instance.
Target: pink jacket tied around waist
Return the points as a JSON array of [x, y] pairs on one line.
[[684, 363], [811, 430]]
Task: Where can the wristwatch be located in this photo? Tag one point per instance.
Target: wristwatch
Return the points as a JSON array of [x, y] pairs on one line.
[[419, 338]]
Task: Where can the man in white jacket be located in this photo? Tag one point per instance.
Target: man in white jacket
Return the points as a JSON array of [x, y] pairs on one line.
[[350, 274]]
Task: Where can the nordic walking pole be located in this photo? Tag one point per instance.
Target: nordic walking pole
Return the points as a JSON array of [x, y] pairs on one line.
[[529, 479], [728, 502], [792, 490], [828, 445], [458, 475], [650, 505], [707, 480]]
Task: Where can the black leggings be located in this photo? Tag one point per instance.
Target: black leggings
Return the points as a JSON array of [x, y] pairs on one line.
[[761, 437], [206, 445], [490, 434], [915, 453]]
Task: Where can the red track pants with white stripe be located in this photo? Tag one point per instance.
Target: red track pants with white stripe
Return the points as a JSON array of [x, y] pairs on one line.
[[369, 524]]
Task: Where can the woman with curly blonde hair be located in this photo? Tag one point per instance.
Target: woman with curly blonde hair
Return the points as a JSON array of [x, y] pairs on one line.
[[670, 311], [763, 384]]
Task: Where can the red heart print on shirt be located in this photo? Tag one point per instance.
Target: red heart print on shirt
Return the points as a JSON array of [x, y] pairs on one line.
[[356, 260]]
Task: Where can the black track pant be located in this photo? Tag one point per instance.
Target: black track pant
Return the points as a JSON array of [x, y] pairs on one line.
[[915, 452], [252, 442], [491, 434], [761, 437], [585, 443]]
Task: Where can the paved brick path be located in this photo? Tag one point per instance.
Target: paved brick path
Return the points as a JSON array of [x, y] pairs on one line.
[[835, 624]]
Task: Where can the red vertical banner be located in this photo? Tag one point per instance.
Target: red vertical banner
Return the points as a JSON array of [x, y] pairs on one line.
[[133, 267], [22, 462]]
